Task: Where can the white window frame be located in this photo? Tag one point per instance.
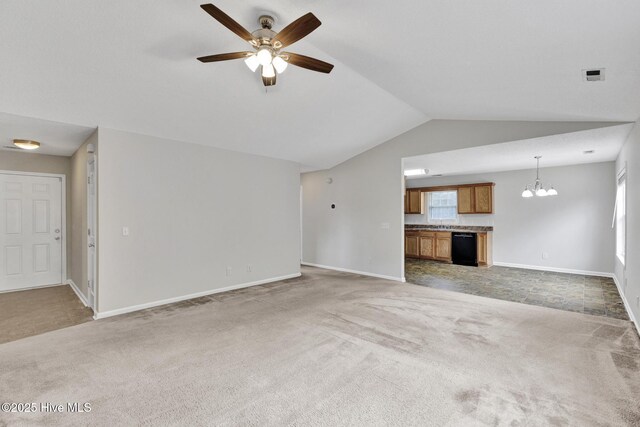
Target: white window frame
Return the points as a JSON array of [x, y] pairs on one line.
[[621, 216], [431, 220]]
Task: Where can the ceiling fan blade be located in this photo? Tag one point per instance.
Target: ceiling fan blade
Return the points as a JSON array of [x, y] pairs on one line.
[[298, 29], [224, 56], [228, 22], [307, 62], [268, 81]]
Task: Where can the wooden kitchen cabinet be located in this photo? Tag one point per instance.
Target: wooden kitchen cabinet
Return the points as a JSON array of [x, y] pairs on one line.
[[483, 198], [427, 241], [465, 200], [443, 246], [414, 201], [484, 250], [411, 245], [475, 199]]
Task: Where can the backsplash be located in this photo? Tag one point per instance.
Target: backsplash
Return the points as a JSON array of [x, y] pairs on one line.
[[476, 220]]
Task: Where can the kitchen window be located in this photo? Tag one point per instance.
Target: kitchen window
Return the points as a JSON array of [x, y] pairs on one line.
[[621, 217], [442, 206]]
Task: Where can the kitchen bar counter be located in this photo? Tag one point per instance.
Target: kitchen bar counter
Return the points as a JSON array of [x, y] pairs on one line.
[[464, 228]]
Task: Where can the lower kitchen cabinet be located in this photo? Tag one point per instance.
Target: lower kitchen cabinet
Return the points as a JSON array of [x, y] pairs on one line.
[[443, 246], [411, 245], [427, 242], [428, 245], [436, 245], [484, 250]]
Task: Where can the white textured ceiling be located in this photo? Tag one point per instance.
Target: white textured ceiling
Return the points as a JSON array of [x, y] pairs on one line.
[[59, 139], [556, 150], [131, 65]]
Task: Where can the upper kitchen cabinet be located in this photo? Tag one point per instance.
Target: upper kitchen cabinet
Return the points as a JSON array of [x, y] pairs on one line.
[[414, 201], [475, 199]]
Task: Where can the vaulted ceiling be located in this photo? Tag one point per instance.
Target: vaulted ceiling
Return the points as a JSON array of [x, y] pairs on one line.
[[131, 65]]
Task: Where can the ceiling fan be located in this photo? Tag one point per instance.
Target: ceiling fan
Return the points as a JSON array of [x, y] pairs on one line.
[[268, 44]]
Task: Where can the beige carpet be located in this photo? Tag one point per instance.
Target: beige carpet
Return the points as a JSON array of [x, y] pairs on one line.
[[332, 349], [36, 311]]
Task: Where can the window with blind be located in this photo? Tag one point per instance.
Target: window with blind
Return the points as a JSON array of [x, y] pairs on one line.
[[443, 206]]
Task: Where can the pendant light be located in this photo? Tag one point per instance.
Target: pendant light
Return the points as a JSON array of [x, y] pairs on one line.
[[538, 190]]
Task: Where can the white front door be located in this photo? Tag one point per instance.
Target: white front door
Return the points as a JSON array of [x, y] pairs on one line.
[[31, 233]]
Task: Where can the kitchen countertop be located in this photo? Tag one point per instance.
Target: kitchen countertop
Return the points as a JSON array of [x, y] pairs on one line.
[[467, 228]]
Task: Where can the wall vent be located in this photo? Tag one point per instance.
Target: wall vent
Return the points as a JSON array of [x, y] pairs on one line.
[[593, 75]]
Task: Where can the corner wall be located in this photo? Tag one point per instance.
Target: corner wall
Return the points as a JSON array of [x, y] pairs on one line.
[[573, 228], [629, 278], [192, 211]]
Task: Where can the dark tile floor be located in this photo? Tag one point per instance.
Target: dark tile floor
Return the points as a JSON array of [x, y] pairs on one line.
[[583, 294]]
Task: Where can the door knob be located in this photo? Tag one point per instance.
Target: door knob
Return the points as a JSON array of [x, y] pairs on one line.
[[92, 245], [57, 230], [57, 237]]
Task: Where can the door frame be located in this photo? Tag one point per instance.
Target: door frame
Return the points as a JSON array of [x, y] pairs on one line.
[[92, 222], [63, 226]]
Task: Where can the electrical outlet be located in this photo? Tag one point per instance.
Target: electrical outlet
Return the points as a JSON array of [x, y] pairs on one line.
[[545, 255], [228, 271], [125, 231], [248, 268]]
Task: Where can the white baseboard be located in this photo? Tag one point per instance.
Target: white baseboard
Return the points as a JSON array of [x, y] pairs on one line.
[[4, 291], [346, 270], [78, 293], [554, 269], [627, 306], [132, 308]]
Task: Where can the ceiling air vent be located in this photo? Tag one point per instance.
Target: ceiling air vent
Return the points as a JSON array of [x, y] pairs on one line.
[[595, 75]]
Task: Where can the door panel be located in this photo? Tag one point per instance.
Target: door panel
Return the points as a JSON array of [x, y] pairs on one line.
[[465, 200], [483, 199], [411, 246], [31, 233], [427, 246]]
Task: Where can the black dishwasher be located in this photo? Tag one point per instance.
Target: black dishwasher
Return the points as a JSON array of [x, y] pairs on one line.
[[464, 248]]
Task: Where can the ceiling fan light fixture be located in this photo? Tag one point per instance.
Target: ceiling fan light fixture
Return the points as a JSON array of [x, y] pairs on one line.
[[279, 64], [252, 62], [268, 71], [26, 144], [264, 56], [552, 192]]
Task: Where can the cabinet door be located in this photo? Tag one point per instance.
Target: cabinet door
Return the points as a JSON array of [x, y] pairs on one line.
[[482, 248], [415, 202], [443, 246], [465, 200], [428, 246], [483, 199], [411, 246]]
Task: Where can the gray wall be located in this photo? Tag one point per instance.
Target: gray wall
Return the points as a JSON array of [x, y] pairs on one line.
[[78, 272], [573, 228], [192, 211], [629, 278], [365, 231], [42, 163]]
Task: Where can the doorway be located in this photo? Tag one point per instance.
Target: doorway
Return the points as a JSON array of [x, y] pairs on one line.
[[32, 234]]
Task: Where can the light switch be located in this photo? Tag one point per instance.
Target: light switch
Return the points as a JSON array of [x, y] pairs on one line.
[[125, 231]]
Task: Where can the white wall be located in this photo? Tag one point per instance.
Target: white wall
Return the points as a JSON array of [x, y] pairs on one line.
[[191, 211], [368, 192], [574, 228], [629, 278]]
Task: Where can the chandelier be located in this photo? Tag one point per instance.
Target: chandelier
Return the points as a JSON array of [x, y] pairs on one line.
[[538, 189]]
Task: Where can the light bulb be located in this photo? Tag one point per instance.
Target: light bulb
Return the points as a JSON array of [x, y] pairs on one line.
[[268, 71], [264, 57], [541, 192], [527, 193], [279, 64], [252, 62], [552, 192]]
